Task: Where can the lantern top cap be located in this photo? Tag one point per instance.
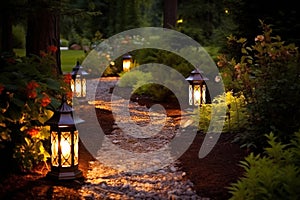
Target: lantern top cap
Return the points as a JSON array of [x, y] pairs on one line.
[[78, 69], [127, 56], [62, 116], [196, 75]]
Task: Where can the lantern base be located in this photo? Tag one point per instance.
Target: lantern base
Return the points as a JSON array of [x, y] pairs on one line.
[[65, 174]]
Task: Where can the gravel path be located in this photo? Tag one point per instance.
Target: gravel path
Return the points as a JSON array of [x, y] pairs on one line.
[[135, 165]]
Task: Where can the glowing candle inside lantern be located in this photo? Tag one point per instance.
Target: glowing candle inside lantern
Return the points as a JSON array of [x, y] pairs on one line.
[[126, 65], [77, 87], [65, 146], [197, 95]]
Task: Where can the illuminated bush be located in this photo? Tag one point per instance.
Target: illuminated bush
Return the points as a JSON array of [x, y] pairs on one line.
[[29, 91]]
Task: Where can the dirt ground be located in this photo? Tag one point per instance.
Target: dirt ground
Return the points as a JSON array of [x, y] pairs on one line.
[[214, 173], [210, 175]]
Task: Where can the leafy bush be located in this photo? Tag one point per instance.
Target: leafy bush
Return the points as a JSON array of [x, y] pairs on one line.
[[272, 175], [29, 92], [64, 43], [267, 74], [145, 83], [85, 42], [169, 59], [236, 114], [159, 92], [134, 79]]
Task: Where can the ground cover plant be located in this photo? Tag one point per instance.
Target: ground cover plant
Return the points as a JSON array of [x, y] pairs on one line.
[[274, 174]]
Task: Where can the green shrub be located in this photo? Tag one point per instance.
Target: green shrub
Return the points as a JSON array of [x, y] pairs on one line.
[[74, 37], [135, 81], [169, 59], [85, 42], [267, 74], [236, 114], [161, 92], [145, 83], [29, 92], [213, 52], [64, 43], [272, 175]]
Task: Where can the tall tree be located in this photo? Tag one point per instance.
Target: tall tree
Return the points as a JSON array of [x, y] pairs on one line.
[[43, 29], [170, 14], [6, 27]]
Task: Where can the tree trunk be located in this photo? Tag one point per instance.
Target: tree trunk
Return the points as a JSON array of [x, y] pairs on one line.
[[5, 30], [42, 32], [170, 14]]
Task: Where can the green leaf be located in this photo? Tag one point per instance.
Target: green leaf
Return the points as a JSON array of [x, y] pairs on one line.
[[45, 116], [244, 51], [19, 102], [53, 84]]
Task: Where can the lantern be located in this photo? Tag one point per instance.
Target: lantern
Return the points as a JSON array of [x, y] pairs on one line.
[[78, 82], [64, 144], [197, 88], [127, 60]]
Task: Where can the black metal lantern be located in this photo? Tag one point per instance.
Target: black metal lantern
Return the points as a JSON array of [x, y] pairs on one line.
[[78, 82], [127, 61], [64, 144], [197, 88]]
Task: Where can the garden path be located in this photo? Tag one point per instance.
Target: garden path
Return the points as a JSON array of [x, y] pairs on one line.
[[117, 173]]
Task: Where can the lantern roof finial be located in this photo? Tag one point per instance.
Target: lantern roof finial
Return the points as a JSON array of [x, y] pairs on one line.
[[78, 70], [65, 107]]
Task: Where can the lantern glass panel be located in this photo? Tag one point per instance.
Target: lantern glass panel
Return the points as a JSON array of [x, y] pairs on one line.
[[77, 87], [203, 94], [190, 94], [66, 146], [54, 148], [83, 87], [197, 95], [72, 85], [76, 141], [126, 64]]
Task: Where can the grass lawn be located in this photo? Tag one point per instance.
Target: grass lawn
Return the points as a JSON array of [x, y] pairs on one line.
[[68, 58]]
